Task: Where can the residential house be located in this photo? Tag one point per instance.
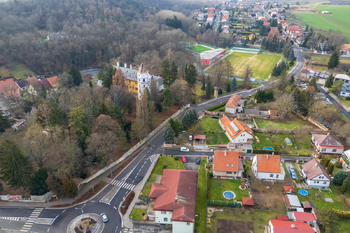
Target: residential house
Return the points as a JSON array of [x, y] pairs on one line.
[[35, 85], [236, 131], [282, 226], [288, 189], [312, 71], [175, 199], [53, 81], [226, 13], [235, 104], [225, 29], [211, 10], [324, 75], [22, 85], [327, 144], [345, 50], [315, 175], [200, 16], [345, 90], [268, 167], [227, 164], [344, 77], [8, 87], [304, 217], [57, 36]]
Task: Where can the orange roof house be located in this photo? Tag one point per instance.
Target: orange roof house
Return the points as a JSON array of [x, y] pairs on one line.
[[210, 15], [268, 167], [234, 105], [8, 87], [175, 198], [227, 164], [288, 189], [236, 131], [53, 81]]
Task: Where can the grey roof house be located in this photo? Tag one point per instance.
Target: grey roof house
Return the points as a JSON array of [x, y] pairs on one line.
[[315, 175], [22, 85]]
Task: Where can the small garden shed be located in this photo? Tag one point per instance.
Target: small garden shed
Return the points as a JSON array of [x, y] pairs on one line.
[[288, 142]]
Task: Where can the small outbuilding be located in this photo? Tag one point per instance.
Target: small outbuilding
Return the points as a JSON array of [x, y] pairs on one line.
[[289, 189], [247, 202], [199, 138], [288, 142], [293, 202]]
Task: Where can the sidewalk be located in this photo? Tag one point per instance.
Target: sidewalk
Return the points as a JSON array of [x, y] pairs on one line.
[[126, 218]]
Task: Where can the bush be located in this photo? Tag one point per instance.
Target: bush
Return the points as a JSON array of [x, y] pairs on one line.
[[220, 91], [339, 177], [176, 158], [347, 98], [165, 166], [343, 214], [338, 164], [217, 106]]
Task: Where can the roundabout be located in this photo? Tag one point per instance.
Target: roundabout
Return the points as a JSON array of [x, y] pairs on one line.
[[89, 223]]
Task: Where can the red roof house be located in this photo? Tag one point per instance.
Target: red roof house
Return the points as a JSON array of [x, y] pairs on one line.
[[227, 164], [8, 87], [282, 226], [268, 167], [234, 105], [304, 217], [175, 198], [327, 144], [236, 131], [288, 189]]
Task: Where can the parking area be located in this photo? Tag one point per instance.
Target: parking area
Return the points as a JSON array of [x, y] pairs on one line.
[[191, 161]]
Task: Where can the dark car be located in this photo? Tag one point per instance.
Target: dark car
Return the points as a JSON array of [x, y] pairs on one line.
[[198, 161], [215, 117]]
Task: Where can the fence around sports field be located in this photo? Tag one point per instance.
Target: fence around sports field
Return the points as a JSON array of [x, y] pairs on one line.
[[246, 50], [209, 45]]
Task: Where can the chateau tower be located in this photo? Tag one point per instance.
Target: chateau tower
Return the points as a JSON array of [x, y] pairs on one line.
[[143, 79]]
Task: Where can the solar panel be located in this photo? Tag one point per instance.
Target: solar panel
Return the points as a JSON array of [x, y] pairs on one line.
[[234, 126]]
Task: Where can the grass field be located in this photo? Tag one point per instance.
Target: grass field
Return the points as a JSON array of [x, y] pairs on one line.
[[199, 48], [339, 19], [211, 129], [169, 162], [261, 65], [219, 186], [16, 70], [137, 214], [201, 202], [293, 123]]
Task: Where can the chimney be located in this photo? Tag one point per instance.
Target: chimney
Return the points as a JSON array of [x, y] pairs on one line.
[[267, 157], [117, 63], [293, 226], [225, 152], [130, 67], [273, 153], [125, 65]]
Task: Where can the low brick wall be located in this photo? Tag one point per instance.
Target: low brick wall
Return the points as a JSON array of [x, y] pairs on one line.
[[18, 198]]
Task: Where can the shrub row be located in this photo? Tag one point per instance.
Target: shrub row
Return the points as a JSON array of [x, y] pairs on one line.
[[262, 152], [343, 214], [217, 106]]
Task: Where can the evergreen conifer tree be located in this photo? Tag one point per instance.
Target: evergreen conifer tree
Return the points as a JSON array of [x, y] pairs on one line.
[[334, 59], [169, 134], [76, 75], [234, 84], [329, 81], [208, 89]]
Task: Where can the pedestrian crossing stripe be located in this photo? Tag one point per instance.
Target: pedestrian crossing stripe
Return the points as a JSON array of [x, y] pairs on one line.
[[152, 157], [31, 219], [10, 218], [122, 184]]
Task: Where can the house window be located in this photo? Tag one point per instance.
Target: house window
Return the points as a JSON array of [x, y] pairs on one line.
[[231, 164], [318, 182], [271, 175], [165, 219], [314, 181], [228, 172], [143, 80], [334, 150], [227, 165], [277, 175], [187, 223], [325, 182], [163, 212]]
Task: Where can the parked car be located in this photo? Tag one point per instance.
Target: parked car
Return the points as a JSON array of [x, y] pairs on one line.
[[184, 149], [215, 117], [292, 174], [327, 100], [210, 158], [291, 168], [198, 161], [104, 217], [183, 159], [190, 137], [241, 156]]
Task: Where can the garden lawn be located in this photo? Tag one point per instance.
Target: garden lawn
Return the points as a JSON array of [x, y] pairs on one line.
[[199, 48], [17, 70], [211, 129], [170, 162], [295, 122], [261, 64], [201, 205], [265, 140], [219, 186], [320, 202], [339, 19], [146, 189], [137, 214], [258, 217], [346, 102]]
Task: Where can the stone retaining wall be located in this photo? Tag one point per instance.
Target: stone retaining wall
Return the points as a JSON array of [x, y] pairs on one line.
[[18, 198]]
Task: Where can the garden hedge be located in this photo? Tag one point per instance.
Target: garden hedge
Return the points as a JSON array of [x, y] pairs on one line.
[[217, 106], [343, 214]]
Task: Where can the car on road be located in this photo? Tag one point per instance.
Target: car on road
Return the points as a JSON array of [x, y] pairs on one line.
[[292, 174], [198, 161], [183, 159], [327, 100], [291, 168], [210, 158], [184, 149], [104, 217], [190, 137]]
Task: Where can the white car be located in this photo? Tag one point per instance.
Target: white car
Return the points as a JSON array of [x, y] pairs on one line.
[[104, 217], [190, 137], [327, 100], [184, 149]]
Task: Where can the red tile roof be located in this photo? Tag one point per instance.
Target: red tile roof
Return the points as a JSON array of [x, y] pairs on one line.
[[199, 137], [288, 188], [177, 193], [282, 226], [304, 216], [239, 125], [327, 140], [9, 85], [227, 161], [247, 201], [53, 80], [233, 101], [210, 15], [282, 217], [268, 163]]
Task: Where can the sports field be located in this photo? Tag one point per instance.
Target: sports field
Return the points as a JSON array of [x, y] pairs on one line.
[[339, 19], [199, 48], [262, 65]]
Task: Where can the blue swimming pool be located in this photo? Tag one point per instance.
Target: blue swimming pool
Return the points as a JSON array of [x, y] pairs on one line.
[[229, 195], [303, 193], [268, 148]]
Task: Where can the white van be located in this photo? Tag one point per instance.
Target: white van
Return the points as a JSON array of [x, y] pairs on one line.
[[184, 149]]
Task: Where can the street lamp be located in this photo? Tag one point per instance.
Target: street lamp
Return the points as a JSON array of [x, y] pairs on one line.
[[82, 211]]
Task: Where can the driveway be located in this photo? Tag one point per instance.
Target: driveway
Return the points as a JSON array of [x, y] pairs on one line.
[[191, 162]]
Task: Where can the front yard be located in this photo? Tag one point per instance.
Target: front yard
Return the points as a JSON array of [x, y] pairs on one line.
[[257, 217], [200, 223], [218, 186], [166, 161], [211, 129], [137, 214]]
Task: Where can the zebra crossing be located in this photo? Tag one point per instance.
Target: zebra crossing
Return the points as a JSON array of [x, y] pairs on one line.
[[152, 158], [10, 218], [122, 184], [30, 221]]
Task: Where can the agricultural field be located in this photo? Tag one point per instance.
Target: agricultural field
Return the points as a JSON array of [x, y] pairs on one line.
[[199, 48], [261, 64], [339, 19], [17, 70]]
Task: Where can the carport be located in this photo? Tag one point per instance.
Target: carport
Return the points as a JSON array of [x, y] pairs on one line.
[[199, 139]]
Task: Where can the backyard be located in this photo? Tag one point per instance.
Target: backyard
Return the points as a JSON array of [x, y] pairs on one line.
[[211, 129], [278, 139], [261, 64], [293, 122], [219, 186], [257, 217], [200, 223], [166, 161], [199, 48]]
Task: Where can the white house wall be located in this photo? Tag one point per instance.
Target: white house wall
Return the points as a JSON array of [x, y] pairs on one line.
[[183, 227], [242, 138], [160, 217]]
